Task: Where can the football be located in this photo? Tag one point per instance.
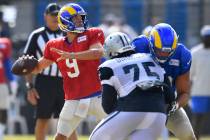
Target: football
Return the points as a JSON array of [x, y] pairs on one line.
[[24, 65]]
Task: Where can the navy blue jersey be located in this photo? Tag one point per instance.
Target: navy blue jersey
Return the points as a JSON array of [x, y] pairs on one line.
[[178, 64]]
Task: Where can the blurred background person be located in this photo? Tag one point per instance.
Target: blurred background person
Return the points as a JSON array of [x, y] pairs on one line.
[[4, 27], [154, 20], [121, 26], [146, 31], [108, 21], [7, 81], [113, 23], [47, 92], [200, 77]]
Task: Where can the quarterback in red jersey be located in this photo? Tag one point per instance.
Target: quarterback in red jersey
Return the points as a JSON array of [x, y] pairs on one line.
[[78, 57], [5, 77], [80, 76]]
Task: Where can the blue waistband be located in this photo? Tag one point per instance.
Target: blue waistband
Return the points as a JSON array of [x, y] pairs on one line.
[[98, 93]]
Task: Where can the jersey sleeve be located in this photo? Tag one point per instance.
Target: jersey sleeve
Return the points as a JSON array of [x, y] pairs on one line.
[[96, 35], [141, 44], [105, 75], [109, 98], [47, 53], [30, 47], [109, 93], [186, 59]]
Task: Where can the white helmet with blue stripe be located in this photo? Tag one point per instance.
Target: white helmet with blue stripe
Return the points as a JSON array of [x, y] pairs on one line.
[[117, 43]]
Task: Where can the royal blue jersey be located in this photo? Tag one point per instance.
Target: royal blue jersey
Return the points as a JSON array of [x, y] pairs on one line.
[[178, 64]]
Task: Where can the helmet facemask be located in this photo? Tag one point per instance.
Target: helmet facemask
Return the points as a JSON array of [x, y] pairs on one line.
[[162, 55]]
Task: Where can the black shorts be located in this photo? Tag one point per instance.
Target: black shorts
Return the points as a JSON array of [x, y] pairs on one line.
[[151, 100], [51, 95], [3, 116]]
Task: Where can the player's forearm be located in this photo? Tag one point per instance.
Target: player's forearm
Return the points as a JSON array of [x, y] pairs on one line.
[[183, 89], [91, 54], [37, 70], [109, 98], [29, 78], [42, 64], [183, 99]]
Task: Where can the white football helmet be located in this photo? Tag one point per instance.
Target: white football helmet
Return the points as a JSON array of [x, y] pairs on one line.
[[117, 43]]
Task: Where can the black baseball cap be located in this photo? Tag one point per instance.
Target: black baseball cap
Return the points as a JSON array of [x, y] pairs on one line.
[[52, 8]]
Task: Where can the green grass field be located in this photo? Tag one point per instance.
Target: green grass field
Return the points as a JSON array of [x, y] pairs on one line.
[[28, 137]]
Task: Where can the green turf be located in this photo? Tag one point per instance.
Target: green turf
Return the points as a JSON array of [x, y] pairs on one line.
[[28, 137], [31, 137]]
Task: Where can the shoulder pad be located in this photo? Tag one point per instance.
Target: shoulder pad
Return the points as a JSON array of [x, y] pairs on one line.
[[95, 29], [141, 44]]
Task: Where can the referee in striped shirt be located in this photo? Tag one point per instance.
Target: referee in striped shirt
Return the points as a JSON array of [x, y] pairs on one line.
[[46, 93]]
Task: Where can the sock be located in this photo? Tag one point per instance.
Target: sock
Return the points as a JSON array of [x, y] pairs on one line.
[[2, 129], [165, 135]]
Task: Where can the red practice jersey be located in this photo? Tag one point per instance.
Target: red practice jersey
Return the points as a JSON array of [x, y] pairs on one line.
[[5, 53], [80, 76]]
